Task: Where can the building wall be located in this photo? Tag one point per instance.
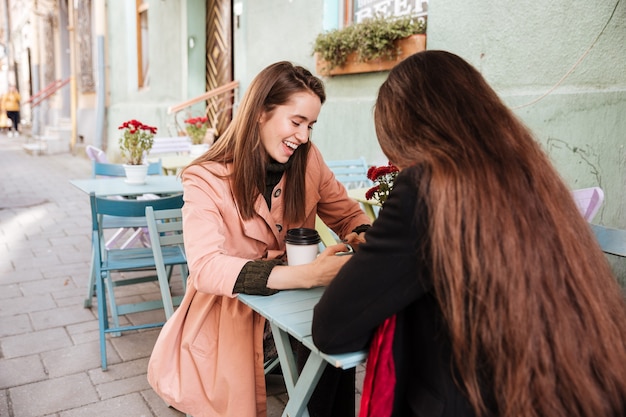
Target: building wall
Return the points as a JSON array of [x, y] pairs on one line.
[[168, 77], [523, 48]]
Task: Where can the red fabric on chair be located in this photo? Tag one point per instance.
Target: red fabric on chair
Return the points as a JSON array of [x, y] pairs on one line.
[[380, 373]]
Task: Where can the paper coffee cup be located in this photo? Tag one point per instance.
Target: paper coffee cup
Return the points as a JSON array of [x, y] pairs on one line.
[[302, 245]]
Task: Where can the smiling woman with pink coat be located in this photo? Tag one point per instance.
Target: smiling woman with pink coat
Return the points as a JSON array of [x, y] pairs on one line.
[[261, 178]]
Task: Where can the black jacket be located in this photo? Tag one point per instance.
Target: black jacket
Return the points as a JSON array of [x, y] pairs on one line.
[[390, 275]]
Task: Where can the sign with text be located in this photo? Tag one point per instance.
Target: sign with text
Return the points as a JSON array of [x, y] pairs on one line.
[[363, 9]]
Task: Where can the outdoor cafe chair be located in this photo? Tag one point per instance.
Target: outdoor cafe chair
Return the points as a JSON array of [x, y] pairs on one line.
[[101, 168], [352, 173], [166, 231], [612, 241], [589, 201], [128, 266]]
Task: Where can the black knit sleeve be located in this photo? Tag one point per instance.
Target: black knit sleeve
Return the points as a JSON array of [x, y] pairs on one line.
[[253, 277]]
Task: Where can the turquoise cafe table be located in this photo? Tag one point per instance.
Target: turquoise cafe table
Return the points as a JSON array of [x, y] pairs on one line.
[[291, 313]]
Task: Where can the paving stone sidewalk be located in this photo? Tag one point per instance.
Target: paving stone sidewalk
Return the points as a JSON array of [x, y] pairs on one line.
[[49, 354]]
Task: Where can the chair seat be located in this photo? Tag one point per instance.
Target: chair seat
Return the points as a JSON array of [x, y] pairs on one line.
[[138, 258]]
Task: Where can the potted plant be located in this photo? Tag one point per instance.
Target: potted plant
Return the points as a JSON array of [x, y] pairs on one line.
[[135, 142], [375, 44], [201, 135]]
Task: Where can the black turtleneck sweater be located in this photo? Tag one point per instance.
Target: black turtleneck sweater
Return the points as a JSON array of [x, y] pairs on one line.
[[252, 278]]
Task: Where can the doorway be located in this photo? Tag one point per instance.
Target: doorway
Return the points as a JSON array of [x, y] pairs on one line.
[[219, 57]]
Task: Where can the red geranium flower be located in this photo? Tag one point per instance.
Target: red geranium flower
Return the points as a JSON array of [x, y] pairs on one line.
[[384, 176]]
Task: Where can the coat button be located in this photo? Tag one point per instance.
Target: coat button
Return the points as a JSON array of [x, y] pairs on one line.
[[279, 227], [277, 193]]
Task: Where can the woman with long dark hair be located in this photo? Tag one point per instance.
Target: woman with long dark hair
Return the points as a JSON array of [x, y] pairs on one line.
[[481, 288]]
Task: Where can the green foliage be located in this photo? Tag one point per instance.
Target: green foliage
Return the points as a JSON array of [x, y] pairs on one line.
[[371, 39]]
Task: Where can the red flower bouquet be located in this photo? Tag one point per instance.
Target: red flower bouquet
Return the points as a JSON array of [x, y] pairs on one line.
[[137, 139], [383, 177], [196, 128]]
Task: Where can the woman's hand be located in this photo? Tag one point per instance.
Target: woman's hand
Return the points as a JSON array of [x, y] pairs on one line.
[[318, 273], [355, 240]]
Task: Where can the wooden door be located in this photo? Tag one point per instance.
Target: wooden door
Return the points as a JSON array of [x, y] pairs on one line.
[[219, 58]]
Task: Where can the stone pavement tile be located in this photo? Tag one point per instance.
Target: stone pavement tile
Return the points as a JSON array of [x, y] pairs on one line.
[[46, 286], [118, 371], [10, 291], [26, 305], [35, 342], [53, 396], [123, 386], [4, 403], [276, 405], [69, 289], [72, 300], [20, 371], [17, 324], [131, 405], [84, 332], [41, 262], [78, 269], [74, 359], [158, 406], [13, 276], [60, 317], [132, 346]]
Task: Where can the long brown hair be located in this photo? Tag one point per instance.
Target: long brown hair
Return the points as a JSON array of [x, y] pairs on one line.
[[240, 144], [536, 319]]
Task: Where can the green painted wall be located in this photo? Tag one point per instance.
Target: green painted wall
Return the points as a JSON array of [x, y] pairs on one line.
[[524, 49], [168, 79], [537, 55]]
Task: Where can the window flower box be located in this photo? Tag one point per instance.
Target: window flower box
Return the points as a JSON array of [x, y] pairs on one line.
[[353, 65]]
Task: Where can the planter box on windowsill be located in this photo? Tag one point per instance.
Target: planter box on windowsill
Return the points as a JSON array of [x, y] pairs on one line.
[[406, 47]]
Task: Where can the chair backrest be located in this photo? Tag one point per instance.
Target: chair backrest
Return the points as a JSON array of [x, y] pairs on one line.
[[588, 201], [351, 172], [103, 206], [174, 144], [165, 228], [612, 241], [117, 170], [96, 154]]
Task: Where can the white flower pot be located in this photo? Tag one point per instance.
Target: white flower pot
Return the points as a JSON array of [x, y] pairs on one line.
[[136, 174], [197, 150]]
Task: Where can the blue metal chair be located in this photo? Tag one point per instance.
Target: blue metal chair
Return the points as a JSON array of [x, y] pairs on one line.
[[108, 261], [352, 173], [123, 226], [612, 241]]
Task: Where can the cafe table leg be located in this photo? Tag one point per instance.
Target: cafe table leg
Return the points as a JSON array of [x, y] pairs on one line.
[[299, 387], [307, 381]]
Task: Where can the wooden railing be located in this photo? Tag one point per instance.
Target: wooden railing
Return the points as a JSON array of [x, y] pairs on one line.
[[50, 89], [219, 100]]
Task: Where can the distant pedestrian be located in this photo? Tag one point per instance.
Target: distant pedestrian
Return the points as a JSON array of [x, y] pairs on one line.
[[11, 104]]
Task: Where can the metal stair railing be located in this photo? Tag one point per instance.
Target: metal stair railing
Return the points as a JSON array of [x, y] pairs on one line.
[[46, 92]]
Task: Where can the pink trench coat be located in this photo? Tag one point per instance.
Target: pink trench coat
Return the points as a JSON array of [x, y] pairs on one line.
[[208, 359]]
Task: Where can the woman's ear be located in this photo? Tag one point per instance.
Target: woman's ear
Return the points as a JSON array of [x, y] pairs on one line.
[[262, 117]]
